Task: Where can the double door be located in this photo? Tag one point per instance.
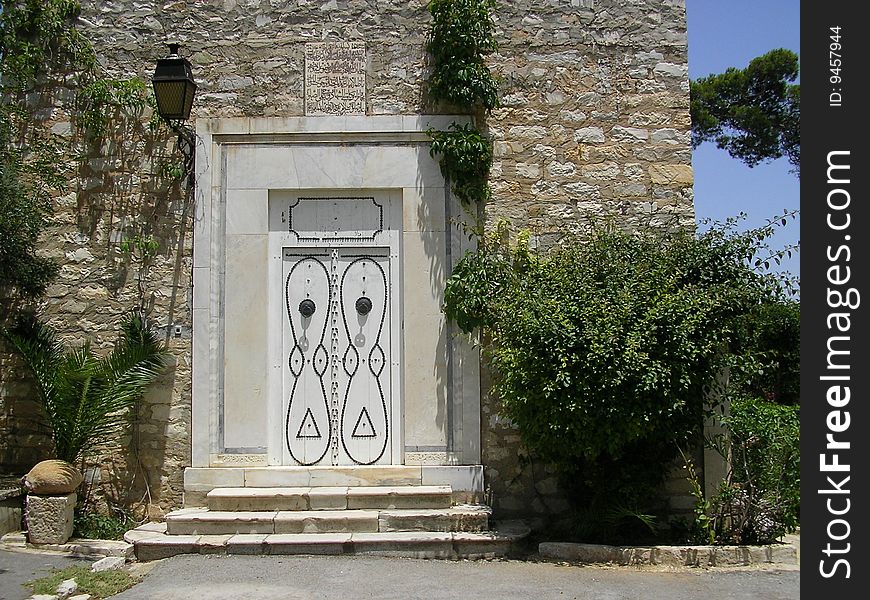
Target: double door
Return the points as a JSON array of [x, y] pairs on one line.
[[336, 344]]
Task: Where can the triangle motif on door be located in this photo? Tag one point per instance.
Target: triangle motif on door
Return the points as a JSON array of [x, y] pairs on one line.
[[308, 428], [364, 427]]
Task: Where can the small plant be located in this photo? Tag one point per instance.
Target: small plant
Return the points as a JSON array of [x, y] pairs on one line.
[[94, 525], [104, 584], [703, 529], [462, 34], [143, 248], [87, 398], [465, 159]]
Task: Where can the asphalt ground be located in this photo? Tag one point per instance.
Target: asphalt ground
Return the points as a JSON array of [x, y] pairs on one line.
[[20, 567], [219, 577]]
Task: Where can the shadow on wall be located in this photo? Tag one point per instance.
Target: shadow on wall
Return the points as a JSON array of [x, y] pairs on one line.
[[25, 438]]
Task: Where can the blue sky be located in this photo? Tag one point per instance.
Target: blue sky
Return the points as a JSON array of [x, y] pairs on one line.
[[730, 34]]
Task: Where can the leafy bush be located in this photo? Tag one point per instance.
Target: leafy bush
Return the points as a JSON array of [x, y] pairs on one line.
[[604, 349], [770, 346], [86, 398], [762, 499]]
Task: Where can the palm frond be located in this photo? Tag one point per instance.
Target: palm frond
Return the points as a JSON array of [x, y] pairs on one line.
[[86, 399]]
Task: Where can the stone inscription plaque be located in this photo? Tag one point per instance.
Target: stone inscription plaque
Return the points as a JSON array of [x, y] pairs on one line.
[[335, 78]]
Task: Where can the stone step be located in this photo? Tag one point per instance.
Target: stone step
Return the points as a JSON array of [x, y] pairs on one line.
[[152, 543], [466, 481], [471, 518], [329, 498]]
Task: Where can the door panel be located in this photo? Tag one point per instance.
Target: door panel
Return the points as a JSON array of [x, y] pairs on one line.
[[308, 298], [337, 343], [365, 376]]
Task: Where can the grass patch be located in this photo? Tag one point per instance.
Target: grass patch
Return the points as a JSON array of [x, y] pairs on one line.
[[98, 585]]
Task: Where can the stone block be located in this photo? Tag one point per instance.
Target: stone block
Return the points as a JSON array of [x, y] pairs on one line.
[[671, 174], [333, 521], [213, 544], [453, 519], [67, 587], [670, 556], [110, 563], [726, 556], [587, 553], [50, 518], [165, 546], [220, 523], [246, 543], [258, 499], [332, 543], [327, 498], [485, 545], [399, 497], [784, 554], [405, 544]]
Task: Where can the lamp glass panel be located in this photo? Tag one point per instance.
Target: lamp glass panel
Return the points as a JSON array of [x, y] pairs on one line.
[[170, 97]]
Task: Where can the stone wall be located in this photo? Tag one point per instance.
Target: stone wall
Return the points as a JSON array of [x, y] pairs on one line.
[[594, 122]]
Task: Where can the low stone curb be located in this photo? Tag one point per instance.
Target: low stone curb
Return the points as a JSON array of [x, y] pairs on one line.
[[672, 556], [17, 541]]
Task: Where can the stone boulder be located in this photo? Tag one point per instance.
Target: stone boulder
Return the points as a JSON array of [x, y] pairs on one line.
[[52, 477]]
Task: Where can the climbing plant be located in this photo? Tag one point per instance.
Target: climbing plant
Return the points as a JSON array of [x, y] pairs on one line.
[[43, 56], [466, 156], [36, 37], [97, 100], [462, 34]]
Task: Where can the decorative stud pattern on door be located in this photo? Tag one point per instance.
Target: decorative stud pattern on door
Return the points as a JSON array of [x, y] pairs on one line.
[[337, 343]]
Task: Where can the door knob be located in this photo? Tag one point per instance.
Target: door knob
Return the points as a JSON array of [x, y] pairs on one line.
[[306, 307], [363, 305]]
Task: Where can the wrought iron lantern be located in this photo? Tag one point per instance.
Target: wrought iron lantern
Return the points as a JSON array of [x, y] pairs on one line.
[[174, 86]]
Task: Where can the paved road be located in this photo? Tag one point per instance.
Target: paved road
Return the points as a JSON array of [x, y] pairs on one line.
[[19, 567], [357, 577]]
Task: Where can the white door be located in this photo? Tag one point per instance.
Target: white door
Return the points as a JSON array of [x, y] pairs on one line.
[[337, 340]]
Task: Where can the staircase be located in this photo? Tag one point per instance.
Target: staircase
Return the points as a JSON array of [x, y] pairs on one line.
[[383, 511]]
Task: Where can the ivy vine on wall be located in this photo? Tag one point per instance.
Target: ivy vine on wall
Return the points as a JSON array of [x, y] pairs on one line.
[[43, 56], [462, 35]]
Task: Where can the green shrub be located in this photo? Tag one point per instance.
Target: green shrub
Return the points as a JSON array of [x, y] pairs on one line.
[[604, 349], [465, 156], [765, 454], [770, 345], [462, 34]]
